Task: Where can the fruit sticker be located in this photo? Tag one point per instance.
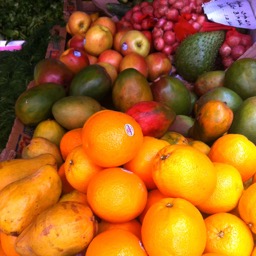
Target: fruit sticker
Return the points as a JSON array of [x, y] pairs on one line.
[[129, 130]]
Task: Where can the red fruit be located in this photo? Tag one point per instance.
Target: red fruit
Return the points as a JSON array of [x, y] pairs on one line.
[[153, 117]]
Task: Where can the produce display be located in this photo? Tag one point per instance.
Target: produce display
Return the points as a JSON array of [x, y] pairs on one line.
[[144, 140]]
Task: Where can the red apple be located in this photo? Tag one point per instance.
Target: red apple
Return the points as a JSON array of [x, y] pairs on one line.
[[136, 61], [107, 22], [149, 36], [135, 41], [52, 71], [92, 59], [78, 23], [74, 59], [76, 41], [158, 64], [111, 56], [117, 39], [98, 38]]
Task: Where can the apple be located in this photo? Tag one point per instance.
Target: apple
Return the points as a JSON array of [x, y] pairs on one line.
[[98, 38], [76, 41], [136, 61], [117, 39], [158, 64], [52, 71], [107, 22], [149, 36], [111, 56], [111, 70], [74, 59], [79, 22], [135, 41], [92, 59]]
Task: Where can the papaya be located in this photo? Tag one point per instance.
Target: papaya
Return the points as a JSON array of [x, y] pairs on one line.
[[74, 196], [16, 169], [63, 229], [153, 117], [35, 104], [22, 200], [40, 145], [130, 87], [71, 112], [212, 121]]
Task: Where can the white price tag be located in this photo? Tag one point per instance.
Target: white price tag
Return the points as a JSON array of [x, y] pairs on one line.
[[235, 13]]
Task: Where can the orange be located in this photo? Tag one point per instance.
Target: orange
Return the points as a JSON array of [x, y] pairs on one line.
[[246, 207], [79, 169], [173, 226], [8, 244], [183, 171], [70, 140], [212, 254], [154, 196], [115, 242], [116, 195], [227, 192], [227, 234], [200, 145], [111, 138], [141, 164], [237, 150], [66, 187], [134, 226], [254, 251]]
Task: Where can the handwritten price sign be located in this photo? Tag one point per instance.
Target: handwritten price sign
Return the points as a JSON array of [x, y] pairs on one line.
[[235, 13]]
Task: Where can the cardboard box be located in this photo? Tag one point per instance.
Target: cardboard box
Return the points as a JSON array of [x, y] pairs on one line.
[[20, 135]]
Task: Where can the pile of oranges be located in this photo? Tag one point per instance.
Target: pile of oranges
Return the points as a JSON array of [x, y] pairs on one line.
[[151, 197]]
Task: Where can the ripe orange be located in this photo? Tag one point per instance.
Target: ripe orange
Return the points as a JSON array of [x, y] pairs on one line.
[[154, 196], [111, 138], [237, 150], [228, 234], [79, 169], [173, 226], [115, 242], [227, 192], [8, 244], [141, 164], [200, 145], [212, 254], [254, 251], [66, 187], [246, 207], [134, 226], [116, 195], [183, 171], [70, 140]]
